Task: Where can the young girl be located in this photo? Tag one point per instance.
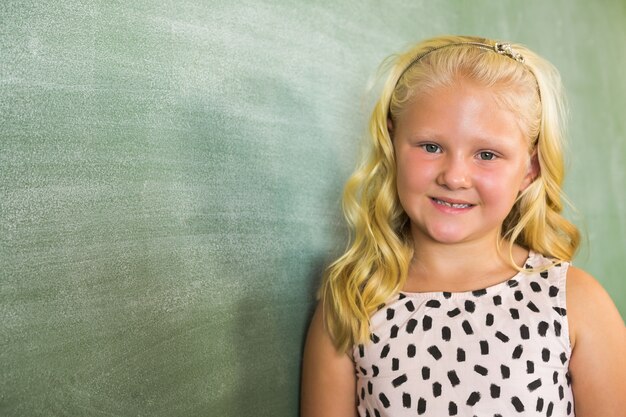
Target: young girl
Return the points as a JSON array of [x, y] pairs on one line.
[[456, 295]]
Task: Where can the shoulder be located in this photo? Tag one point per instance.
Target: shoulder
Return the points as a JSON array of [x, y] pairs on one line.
[[583, 286], [328, 383], [588, 304], [598, 338]]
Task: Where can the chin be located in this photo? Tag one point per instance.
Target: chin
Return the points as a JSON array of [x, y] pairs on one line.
[[449, 240], [447, 236]]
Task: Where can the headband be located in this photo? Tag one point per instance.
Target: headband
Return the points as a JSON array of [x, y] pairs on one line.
[[499, 48]]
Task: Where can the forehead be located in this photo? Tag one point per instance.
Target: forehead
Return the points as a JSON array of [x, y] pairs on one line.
[[463, 109], [515, 97]]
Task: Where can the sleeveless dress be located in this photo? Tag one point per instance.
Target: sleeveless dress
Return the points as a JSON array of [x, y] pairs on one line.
[[500, 351]]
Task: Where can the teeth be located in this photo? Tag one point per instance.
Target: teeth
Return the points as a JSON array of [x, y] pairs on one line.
[[453, 205]]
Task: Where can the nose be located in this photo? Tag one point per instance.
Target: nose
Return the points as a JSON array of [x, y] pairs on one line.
[[455, 173]]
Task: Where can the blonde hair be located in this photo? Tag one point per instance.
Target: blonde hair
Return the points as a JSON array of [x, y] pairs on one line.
[[375, 265]]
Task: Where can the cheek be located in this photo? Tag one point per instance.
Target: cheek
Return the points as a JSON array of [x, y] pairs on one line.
[[413, 175], [501, 188]]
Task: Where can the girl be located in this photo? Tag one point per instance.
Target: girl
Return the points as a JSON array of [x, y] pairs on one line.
[[456, 295]]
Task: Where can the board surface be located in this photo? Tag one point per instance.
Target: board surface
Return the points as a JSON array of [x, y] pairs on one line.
[[170, 181]]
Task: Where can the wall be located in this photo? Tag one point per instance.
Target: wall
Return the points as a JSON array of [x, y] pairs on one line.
[[171, 174]]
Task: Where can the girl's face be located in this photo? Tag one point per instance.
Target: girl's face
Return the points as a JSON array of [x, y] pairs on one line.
[[461, 161]]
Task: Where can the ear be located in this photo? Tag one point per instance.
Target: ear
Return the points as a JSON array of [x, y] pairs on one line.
[[390, 126], [532, 171]]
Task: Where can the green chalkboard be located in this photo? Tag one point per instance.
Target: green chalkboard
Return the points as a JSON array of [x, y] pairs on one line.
[[170, 180]]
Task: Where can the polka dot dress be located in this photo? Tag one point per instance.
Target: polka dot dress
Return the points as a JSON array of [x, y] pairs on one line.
[[499, 351]]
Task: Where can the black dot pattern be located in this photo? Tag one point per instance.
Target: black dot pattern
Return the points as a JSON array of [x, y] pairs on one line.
[[503, 350]]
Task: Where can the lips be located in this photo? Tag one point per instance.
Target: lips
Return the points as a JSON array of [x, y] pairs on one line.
[[452, 203]]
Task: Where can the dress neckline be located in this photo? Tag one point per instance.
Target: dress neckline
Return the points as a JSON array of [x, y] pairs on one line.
[[494, 288]]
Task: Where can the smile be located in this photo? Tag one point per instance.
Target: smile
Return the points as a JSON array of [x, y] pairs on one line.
[[453, 205]]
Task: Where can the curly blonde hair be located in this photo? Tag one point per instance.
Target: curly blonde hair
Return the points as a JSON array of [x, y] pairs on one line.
[[375, 265]]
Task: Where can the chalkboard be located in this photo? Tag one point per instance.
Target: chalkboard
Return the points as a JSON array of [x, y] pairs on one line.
[[171, 176]]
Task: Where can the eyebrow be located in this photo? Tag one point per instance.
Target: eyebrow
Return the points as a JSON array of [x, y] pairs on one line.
[[478, 140]]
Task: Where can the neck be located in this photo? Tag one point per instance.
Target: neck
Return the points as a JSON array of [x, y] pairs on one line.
[[461, 267]]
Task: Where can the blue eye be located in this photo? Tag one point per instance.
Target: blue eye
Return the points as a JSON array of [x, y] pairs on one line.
[[486, 156], [431, 148]]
